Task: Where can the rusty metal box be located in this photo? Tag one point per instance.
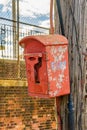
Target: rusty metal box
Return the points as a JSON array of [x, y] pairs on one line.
[[47, 66]]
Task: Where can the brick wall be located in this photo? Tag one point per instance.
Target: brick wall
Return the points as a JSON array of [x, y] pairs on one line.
[[18, 111], [9, 69]]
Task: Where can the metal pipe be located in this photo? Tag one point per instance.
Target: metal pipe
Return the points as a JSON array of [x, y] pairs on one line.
[[60, 17], [58, 101], [70, 113], [51, 18]]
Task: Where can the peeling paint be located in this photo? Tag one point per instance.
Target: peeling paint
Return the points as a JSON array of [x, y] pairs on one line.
[[57, 66]]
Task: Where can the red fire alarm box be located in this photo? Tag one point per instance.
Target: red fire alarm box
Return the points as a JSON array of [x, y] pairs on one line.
[[46, 65]]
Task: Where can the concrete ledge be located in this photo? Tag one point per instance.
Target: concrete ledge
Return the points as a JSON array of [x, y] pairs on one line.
[[10, 83]]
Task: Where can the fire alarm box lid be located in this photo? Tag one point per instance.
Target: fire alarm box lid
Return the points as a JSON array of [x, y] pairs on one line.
[[47, 40]]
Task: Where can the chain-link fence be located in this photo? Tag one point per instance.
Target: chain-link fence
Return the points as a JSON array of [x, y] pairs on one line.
[[32, 20], [8, 38], [30, 11]]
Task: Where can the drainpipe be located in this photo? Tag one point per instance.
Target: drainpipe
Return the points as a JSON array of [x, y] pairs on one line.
[[70, 113], [60, 16], [70, 102]]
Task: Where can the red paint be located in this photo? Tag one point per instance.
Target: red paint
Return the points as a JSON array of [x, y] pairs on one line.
[[46, 65], [58, 104]]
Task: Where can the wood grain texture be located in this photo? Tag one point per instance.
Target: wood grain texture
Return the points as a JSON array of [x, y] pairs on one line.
[[75, 25]]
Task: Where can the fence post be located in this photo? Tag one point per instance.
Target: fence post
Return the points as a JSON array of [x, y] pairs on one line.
[[18, 64]]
